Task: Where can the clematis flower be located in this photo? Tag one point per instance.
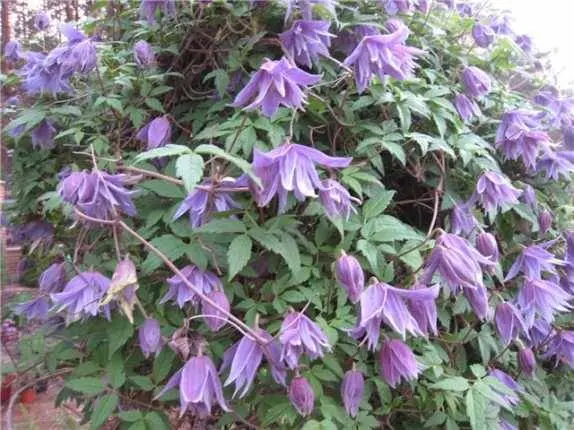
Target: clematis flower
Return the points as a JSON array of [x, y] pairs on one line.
[[349, 38], [449, 4], [545, 221], [350, 276], [149, 336], [476, 82], [291, 167], [543, 298], [424, 6], [82, 295], [527, 361], [336, 200], [509, 323], [483, 35], [198, 385], [396, 362], [43, 135], [53, 279], [383, 55], [42, 74], [506, 379], [424, 312], [464, 9], [82, 57], [180, 292], [149, 9], [219, 318], [556, 164], [209, 198], [306, 41], [156, 133], [495, 192], [478, 300], [487, 246], [352, 391], [529, 196], [562, 347], [462, 220], [540, 332], [501, 25], [144, 54], [393, 7], [533, 260], [466, 108], [13, 51], [41, 21], [299, 335], [301, 395], [277, 83], [524, 42], [34, 309]]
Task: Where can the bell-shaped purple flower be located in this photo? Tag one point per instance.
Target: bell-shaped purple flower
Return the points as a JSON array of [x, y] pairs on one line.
[[149, 9], [336, 200], [214, 318], [352, 391], [462, 220], [291, 167], [540, 332], [527, 361], [487, 246], [464, 9], [396, 362], [542, 298], [301, 395], [510, 399], [180, 292], [34, 309], [423, 6], [483, 35], [43, 135], [306, 41], [562, 347], [393, 7], [276, 83], [524, 42], [144, 55], [299, 335], [509, 323], [13, 51], [476, 82], [529, 196], [82, 57], [545, 221], [41, 21], [478, 300], [466, 108], [209, 198], [46, 74], [501, 24], [556, 164], [156, 133], [53, 279], [349, 38], [424, 311], [199, 386], [149, 336], [350, 276], [533, 260], [494, 191]]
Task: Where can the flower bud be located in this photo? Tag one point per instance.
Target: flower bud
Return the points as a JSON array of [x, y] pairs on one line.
[[219, 320], [527, 361], [487, 246], [42, 21], [476, 82], [149, 336], [156, 133], [144, 54], [544, 221], [509, 322], [301, 395], [352, 390], [483, 35], [350, 275]]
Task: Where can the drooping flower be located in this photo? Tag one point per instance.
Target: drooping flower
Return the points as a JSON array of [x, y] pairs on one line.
[[533, 260], [487, 246], [53, 279], [424, 6], [350, 276], [556, 164], [82, 56], [466, 108], [396, 362], [42, 21], [352, 391], [478, 300], [149, 9], [149, 336], [527, 361], [540, 332], [562, 347], [199, 386], [299, 335], [276, 83], [209, 198], [529, 196], [393, 7], [301, 395], [483, 35], [291, 167], [144, 55], [214, 318], [13, 51], [495, 192], [383, 55], [156, 133], [476, 82], [545, 221], [542, 298], [82, 295], [424, 312], [462, 220], [349, 38], [464, 9], [336, 200], [44, 74], [509, 323], [525, 43], [306, 41], [43, 135], [501, 24], [510, 399], [34, 309], [179, 290]]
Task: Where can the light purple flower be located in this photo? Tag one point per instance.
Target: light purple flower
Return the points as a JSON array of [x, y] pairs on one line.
[[509, 323], [219, 318], [291, 167], [424, 6], [483, 35], [82, 56], [42, 21], [487, 246], [276, 83], [525, 43], [393, 7], [43, 135], [466, 108], [301, 395], [53, 279], [144, 54], [507, 398], [478, 300], [299, 335], [533, 260], [545, 221], [198, 385], [156, 133], [352, 391], [542, 298], [464, 9], [149, 337], [476, 82], [306, 41], [501, 25], [13, 51], [556, 164], [350, 37], [34, 309], [495, 192], [529, 196], [336, 200], [150, 8], [462, 220], [527, 361], [350, 276], [540, 332], [424, 312], [449, 4], [46, 74], [562, 347], [180, 292], [383, 55], [396, 362]]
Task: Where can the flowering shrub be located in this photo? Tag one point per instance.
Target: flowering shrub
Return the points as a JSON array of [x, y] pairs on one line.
[[356, 213]]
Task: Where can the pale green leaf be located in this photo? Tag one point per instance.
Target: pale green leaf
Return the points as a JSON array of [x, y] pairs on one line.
[[238, 254]]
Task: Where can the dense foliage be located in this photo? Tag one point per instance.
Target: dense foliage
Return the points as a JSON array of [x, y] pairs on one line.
[[355, 213]]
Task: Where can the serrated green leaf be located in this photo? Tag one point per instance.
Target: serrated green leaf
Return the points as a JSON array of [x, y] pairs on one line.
[[222, 226], [155, 104], [87, 385], [163, 188], [119, 331], [105, 407], [189, 167], [165, 151], [476, 410], [290, 252], [143, 382], [131, 416], [238, 254], [454, 383], [162, 365], [377, 204], [157, 421], [172, 247]]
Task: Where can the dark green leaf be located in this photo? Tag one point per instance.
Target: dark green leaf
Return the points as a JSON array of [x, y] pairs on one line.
[[87, 385], [238, 254], [105, 407]]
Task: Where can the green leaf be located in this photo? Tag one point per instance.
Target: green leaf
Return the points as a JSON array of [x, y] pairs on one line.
[[386, 228], [162, 365], [163, 188], [290, 252], [476, 410], [189, 167], [119, 331], [218, 152], [157, 421], [172, 247], [143, 382], [155, 104], [138, 425], [87, 385], [165, 151], [377, 204], [115, 104], [455, 383], [105, 407], [115, 371], [238, 254], [131, 416], [223, 225], [221, 80]]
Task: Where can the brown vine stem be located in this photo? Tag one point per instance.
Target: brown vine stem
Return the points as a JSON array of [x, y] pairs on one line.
[[438, 192]]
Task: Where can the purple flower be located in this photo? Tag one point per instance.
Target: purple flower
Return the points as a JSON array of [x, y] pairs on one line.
[[198, 385], [533, 260], [396, 362], [214, 318], [424, 312], [352, 391], [35, 309], [483, 35], [53, 279], [299, 335], [149, 336], [462, 220], [43, 135], [306, 41], [562, 346], [82, 56], [180, 292], [476, 82], [144, 54], [42, 21], [525, 43], [487, 246], [464, 9], [156, 133], [276, 83], [424, 6], [46, 74], [509, 323], [301, 395], [13, 51], [349, 38], [540, 332], [466, 108], [501, 25], [150, 8], [383, 55], [545, 221], [556, 164], [393, 7], [336, 200], [543, 298], [527, 361], [529, 196], [507, 398], [350, 276], [494, 191], [209, 198], [81, 296], [291, 167]]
